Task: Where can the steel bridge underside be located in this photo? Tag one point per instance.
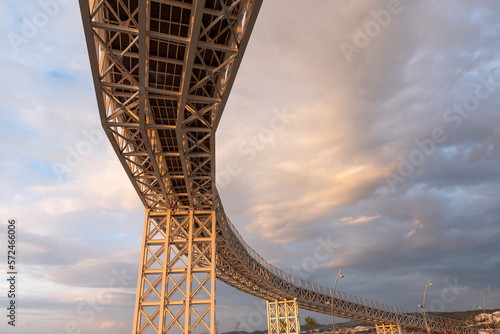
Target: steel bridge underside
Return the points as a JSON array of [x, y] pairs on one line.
[[163, 71]]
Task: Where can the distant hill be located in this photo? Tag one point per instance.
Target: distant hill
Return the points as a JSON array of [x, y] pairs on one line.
[[348, 324], [466, 316], [463, 316]]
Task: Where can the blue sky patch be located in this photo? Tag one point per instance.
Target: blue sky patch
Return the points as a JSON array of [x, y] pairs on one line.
[[60, 75]]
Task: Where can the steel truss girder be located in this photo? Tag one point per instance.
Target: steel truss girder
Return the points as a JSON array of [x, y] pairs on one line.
[[197, 119], [140, 71]]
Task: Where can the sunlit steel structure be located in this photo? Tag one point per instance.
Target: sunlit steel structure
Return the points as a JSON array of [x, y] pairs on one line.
[[283, 317], [163, 71]]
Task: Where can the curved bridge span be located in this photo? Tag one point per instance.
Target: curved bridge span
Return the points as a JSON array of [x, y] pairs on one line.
[[163, 71]]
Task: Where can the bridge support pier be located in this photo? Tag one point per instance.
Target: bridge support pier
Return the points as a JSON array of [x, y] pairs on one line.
[[388, 329], [283, 317], [176, 285]]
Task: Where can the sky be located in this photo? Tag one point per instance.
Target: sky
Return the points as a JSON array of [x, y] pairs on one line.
[[367, 132]]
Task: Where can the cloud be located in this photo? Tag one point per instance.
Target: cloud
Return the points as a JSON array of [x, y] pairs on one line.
[[82, 274], [107, 324], [100, 187], [352, 123], [412, 232], [359, 220]]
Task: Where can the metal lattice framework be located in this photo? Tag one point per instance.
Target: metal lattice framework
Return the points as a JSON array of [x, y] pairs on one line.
[[388, 329], [176, 288], [283, 312], [162, 71]]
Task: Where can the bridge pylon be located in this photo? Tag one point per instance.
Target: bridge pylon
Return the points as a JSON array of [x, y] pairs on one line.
[[283, 317], [176, 285], [388, 329]]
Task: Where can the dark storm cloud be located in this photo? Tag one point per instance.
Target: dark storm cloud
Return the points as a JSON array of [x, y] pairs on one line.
[[356, 123]]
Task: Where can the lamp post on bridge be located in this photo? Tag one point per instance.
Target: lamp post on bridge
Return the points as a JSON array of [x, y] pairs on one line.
[[484, 300], [333, 297], [423, 306], [484, 306]]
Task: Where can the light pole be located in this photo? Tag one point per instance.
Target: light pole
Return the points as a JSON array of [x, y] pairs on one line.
[[333, 296], [423, 306], [484, 306], [484, 300]]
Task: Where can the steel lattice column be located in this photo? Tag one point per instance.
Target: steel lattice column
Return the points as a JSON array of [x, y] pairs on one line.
[[283, 317], [388, 329], [176, 286]]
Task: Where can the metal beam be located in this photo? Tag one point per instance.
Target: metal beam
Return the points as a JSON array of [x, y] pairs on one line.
[[143, 83], [195, 23], [94, 66]]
